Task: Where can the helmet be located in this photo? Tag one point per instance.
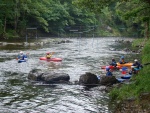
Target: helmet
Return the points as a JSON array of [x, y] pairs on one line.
[[113, 59], [135, 60], [122, 57], [48, 53], [21, 52]]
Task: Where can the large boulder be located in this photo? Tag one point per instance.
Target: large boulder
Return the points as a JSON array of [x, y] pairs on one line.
[[88, 79], [48, 77], [108, 80]]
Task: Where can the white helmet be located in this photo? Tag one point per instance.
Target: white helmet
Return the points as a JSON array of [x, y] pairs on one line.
[[21, 52], [135, 60]]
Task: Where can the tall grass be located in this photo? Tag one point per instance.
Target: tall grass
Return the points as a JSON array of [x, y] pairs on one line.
[[141, 81]]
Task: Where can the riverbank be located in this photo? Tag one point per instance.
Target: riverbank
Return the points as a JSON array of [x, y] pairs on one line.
[[135, 96]]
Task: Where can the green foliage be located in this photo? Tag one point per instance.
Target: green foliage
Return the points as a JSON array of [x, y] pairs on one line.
[[126, 16], [11, 34], [47, 15], [146, 49], [94, 5], [56, 15], [146, 52], [137, 42]]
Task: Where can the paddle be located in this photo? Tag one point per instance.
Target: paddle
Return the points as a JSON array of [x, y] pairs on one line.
[[52, 53]]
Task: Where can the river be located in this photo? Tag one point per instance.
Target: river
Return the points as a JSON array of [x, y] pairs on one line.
[[19, 95]]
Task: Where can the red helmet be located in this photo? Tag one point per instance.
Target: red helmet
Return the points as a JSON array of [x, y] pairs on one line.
[[48, 53]]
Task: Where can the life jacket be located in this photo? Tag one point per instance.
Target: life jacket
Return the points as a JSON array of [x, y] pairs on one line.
[[21, 57], [122, 61], [48, 56], [137, 64], [109, 73]]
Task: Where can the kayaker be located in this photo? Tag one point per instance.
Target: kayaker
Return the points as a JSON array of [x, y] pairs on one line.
[[109, 73], [122, 61], [113, 62], [137, 66], [48, 55], [21, 56], [132, 71]]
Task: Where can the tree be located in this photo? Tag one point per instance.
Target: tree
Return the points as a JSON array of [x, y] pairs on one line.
[[139, 14]]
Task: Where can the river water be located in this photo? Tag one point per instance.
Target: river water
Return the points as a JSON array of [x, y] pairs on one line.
[[19, 95]]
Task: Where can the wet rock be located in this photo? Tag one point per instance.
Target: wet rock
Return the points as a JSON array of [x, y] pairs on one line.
[[88, 79], [68, 41], [62, 41], [48, 77], [126, 49], [55, 77], [3, 43], [108, 80]]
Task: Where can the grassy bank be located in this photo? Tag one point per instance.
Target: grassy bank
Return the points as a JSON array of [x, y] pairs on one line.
[[139, 83]]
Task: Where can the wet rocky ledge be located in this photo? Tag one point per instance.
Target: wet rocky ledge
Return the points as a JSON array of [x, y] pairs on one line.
[[36, 43], [91, 81], [88, 79]]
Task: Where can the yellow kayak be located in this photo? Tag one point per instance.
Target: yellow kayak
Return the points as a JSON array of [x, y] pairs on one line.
[[129, 64]]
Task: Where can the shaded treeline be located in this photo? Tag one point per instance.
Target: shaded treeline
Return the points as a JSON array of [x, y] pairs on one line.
[[48, 16], [124, 16], [74, 18]]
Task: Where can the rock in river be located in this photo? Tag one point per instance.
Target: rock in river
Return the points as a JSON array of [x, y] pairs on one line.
[[48, 77]]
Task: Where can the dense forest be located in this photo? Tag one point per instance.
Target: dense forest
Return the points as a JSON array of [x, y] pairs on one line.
[[66, 17]]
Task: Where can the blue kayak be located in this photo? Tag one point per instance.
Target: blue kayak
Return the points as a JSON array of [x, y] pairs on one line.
[[20, 61], [120, 79], [126, 76]]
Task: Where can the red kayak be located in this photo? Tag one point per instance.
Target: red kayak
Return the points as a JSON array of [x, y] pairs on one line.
[[111, 67], [51, 59]]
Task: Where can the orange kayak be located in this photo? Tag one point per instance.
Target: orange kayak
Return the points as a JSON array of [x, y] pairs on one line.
[[129, 64]]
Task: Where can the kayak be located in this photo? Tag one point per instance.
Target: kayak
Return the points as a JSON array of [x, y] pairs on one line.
[[25, 59], [125, 65], [20, 61], [111, 67], [126, 76], [51, 59], [120, 79]]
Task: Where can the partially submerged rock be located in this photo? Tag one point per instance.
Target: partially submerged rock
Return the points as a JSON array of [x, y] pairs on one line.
[[88, 79], [48, 77], [108, 80]]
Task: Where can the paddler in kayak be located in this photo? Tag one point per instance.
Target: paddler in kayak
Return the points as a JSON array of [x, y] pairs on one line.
[[113, 62], [21, 56], [122, 61], [48, 55], [136, 66], [109, 72]]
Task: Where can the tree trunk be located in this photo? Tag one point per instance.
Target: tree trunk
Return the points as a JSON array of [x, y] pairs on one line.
[[146, 30], [16, 22], [5, 25]]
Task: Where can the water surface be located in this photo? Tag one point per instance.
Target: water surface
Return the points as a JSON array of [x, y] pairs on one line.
[[19, 95]]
